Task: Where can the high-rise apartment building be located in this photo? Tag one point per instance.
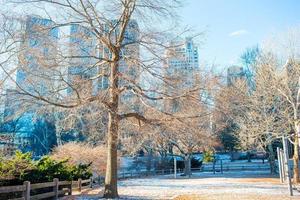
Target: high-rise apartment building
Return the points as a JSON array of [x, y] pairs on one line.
[[183, 55], [182, 65]]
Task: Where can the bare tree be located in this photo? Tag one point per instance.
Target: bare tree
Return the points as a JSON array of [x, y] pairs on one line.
[[263, 114], [263, 121], [289, 88], [105, 46], [285, 47]]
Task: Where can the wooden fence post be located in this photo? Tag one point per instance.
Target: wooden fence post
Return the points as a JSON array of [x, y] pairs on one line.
[[79, 184], [55, 188], [70, 189], [190, 167], [221, 166], [26, 192], [91, 182]]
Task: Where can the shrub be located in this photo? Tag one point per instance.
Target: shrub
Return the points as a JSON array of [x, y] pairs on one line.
[[47, 169], [83, 153], [14, 169], [196, 163], [208, 156], [22, 168]]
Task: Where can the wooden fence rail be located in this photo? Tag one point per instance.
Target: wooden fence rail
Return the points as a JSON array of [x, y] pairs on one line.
[[59, 188]]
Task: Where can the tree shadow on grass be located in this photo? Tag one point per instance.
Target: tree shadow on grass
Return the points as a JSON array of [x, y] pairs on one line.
[[231, 174], [97, 193]]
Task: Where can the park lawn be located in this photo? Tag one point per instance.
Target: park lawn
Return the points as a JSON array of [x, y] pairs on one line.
[[234, 197]]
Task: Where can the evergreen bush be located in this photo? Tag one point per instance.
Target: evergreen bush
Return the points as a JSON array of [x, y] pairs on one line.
[[21, 167]]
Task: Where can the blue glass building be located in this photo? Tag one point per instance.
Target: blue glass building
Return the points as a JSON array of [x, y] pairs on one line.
[[36, 58], [82, 62]]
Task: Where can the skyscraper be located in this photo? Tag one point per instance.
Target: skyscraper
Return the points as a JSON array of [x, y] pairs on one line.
[[37, 55], [82, 67], [183, 54], [129, 66], [84, 48], [130, 51], [34, 77], [182, 64]]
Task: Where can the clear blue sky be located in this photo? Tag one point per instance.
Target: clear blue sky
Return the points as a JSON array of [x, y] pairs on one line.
[[233, 25]]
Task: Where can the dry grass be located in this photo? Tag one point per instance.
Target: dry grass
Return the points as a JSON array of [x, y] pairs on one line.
[[234, 197], [261, 188], [259, 180]]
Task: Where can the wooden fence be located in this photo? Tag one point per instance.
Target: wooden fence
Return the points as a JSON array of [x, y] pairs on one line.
[[54, 189]]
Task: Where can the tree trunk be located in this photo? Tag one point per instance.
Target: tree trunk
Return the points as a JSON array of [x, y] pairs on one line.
[[187, 165], [248, 156], [272, 159], [296, 178], [231, 156], [58, 137], [111, 177], [149, 160]]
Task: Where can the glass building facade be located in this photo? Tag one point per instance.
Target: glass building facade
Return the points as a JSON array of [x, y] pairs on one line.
[[36, 58]]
